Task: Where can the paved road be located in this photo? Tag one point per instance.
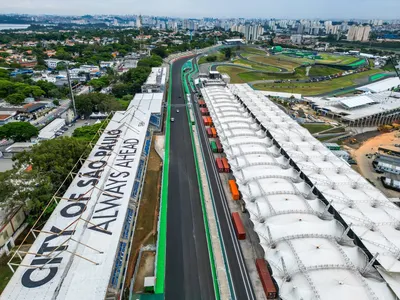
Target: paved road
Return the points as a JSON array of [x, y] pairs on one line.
[[239, 274], [188, 272]]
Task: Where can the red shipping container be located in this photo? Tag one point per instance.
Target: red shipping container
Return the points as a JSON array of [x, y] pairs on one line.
[[219, 146], [204, 111], [239, 229], [266, 279], [205, 121], [209, 132], [219, 164], [202, 103], [227, 169]]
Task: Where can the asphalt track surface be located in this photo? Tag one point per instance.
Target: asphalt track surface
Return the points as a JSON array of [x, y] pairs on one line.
[[239, 275], [188, 271]]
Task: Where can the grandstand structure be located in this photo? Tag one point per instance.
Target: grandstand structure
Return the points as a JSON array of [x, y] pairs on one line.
[[325, 231], [83, 249]]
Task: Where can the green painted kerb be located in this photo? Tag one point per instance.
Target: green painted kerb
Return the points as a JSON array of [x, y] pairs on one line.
[[162, 234], [203, 205]]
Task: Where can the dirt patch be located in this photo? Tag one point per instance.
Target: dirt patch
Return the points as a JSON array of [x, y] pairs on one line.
[[146, 224], [146, 268], [364, 164]]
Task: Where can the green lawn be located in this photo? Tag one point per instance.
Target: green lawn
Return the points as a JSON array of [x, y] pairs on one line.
[[233, 72], [279, 61], [323, 71], [252, 50], [314, 128], [316, 88], [219, 57], [336, 59], [5, 272], [241, 75], [256, 66]]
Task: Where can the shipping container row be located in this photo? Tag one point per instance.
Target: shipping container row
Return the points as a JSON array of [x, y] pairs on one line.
[[266, 279], [238, 225]]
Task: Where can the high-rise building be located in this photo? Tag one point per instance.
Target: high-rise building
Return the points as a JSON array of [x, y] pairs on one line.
[[139, 22], [253, 32], [359, 33]]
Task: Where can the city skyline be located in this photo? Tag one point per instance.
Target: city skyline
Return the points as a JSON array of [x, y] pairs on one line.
[[284, 9]]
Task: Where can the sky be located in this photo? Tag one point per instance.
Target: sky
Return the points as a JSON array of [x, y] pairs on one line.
[[293, 9]]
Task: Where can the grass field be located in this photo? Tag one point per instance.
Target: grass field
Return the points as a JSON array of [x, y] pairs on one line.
[[241, 75], [256, 66], [251, 50], [323, 71], [316, 88], [279, 61], [219, 57], [233, 72], [336, 59], [5, 272], [315, 128]]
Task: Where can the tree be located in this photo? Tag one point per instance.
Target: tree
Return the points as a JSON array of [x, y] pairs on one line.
[[15, 99], [51, 163], [56, 102], [55, 93], [5, 88], [100, 83], [86, 133], [160, 51], [96, 102], [18, 131], [227, 52], [211, 58], [122, 89], [55, 158], [152, 61]]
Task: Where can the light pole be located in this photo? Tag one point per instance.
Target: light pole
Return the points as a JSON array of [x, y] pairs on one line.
[[70, 89]]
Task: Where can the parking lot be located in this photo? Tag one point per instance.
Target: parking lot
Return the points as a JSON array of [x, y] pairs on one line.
[[77, 124]]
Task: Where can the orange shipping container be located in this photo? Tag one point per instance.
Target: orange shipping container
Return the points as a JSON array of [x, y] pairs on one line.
[[234, 190], [210, 121], [214, 132]]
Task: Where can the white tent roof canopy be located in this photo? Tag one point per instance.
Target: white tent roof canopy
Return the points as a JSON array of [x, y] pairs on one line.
[[294, 225]]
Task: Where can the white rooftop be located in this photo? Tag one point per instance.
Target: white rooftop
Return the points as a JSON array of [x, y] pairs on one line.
[[157, 76], [49, 131], [78, 263], [151, 102], [292, 223], [381, 86], [378, 103], [352, 102]]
